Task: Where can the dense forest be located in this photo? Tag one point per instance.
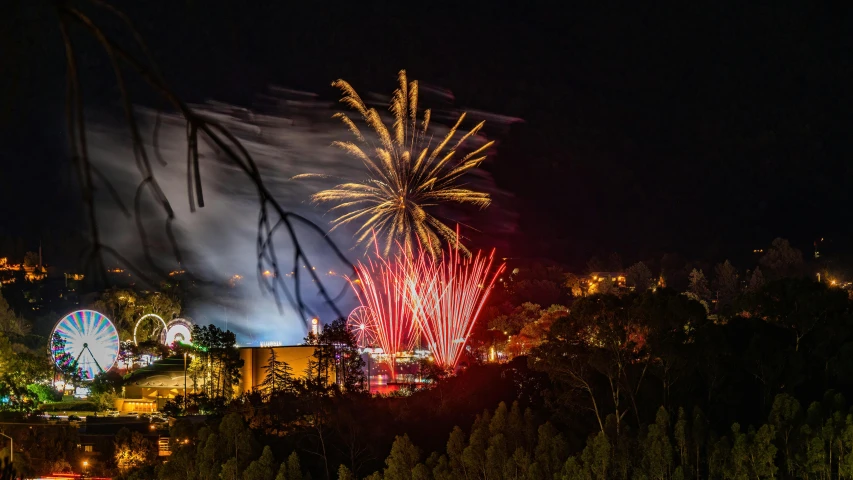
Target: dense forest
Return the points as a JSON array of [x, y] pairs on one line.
[[628, 384]]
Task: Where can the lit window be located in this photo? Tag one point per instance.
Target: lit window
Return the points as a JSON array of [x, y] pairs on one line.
[[87, 448]]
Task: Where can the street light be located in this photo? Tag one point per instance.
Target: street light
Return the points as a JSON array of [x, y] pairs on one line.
[[11, 448], [185, 383]]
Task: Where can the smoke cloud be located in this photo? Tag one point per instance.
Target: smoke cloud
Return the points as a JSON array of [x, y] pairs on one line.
[[287, 133]]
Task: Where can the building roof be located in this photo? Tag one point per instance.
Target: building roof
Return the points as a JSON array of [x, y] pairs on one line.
[[168, 372]]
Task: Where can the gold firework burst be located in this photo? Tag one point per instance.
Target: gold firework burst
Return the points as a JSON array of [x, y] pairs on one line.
[[406, 174]]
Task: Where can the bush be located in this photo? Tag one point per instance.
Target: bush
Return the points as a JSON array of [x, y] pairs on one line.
[[45, 393], [104, 401], [70, 407]]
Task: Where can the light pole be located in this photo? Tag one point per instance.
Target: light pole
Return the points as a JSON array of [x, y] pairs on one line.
[[11, 448], [185, 383]]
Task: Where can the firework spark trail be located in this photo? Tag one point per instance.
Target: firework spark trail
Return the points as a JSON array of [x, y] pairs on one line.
[[381, 288], [436, 298], [407, 175], [446, 297]]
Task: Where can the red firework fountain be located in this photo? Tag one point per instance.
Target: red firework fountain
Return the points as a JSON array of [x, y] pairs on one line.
[[438, 299], [447, 297], [387, 313]]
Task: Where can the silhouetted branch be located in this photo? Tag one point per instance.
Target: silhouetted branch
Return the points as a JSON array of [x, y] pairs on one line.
[[272, 215]]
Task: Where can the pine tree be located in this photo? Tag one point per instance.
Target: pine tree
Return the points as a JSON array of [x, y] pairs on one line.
[[551, 450], [657, 448], [699, 285], [681, 440], [278, 376], [762, 453], [756, 281], [229, 470], [783, 415], [639, 276], [726, 283], [262, 468], [345, 473], [596, 456], [515, 428], [698, 433], [496, 455], [290, 469], [455, 449], [402, 460]]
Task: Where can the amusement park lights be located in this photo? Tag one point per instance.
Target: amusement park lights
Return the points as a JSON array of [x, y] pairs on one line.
[[438, 299], [87, 340]]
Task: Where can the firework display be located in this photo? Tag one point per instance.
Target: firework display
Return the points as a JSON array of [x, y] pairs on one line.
[[86, 339], [178, 330], [435, 298], [160, 326], [381, 289], [362, 324], [406, 174], [447, 296]]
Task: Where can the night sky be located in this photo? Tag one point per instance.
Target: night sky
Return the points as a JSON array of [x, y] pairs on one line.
[[706, 129]]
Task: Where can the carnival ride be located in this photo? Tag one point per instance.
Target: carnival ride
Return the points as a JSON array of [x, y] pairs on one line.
[[178, 330], [362, 324], [155, 332], [87, 341]]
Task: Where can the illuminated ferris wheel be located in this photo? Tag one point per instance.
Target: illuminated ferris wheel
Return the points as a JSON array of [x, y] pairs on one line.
[[177, 331], [156, 331], [86, 340], [362, 324]]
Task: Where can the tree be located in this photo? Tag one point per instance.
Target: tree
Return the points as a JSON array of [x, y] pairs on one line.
[[166, 305], [290, 469], [344, 355], [698, 285], [606, 286], [784, 416], [121, 306], [344, 473], [521, 316], [65, 363], [756, 281], [11, 324], [402, 460], [782, 260], [573, 284], [800, 305], [278, 376], [600, 335], [132, 450], [216, 360], [657, 460], [106, 382], [44, 393], [31, 259], [726, 283], [229, 470], [762, 452], [262, 468], [639, 276]]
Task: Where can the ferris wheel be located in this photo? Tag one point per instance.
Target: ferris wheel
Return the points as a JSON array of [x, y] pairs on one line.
[[155, 332], [178, 330], [362, 324], [87, 340]]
